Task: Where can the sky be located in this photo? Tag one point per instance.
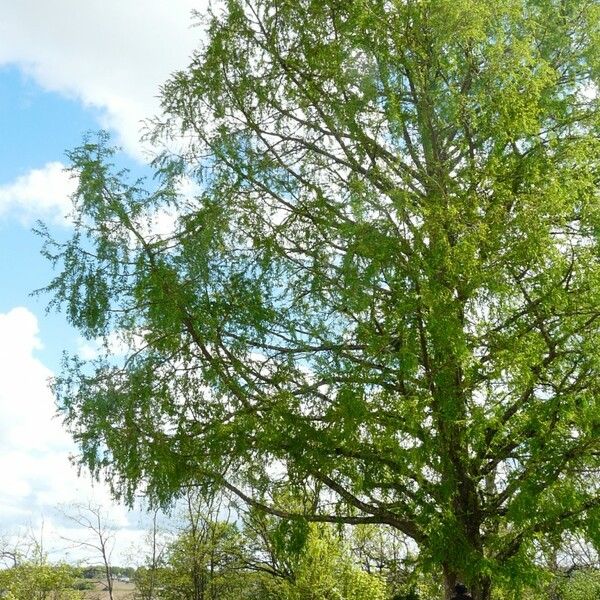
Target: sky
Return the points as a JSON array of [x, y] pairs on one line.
[[67, 67]]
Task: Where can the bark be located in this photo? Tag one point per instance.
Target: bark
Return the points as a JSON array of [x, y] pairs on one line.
[[450, 579], [480, 588]]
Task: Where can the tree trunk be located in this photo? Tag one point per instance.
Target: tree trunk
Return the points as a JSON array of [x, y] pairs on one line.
[[450, 580], [480, 589]]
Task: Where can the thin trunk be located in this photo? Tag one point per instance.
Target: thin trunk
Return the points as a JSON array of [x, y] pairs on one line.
[[109, 577], [154, 564]]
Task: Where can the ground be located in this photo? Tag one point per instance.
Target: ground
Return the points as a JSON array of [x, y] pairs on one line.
[[121, 591]]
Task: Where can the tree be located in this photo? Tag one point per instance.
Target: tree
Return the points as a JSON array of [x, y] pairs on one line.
[[271, 545], [147, 576], [39, 581], [388, 553], [584, 585], [26, 573], [11, 553], [100, 536], [202, 561], [325, 571], [279, 559], [385, 289]]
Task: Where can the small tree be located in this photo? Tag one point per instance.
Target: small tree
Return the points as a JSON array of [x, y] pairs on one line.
[[325, 570], [147, 576], [304, 561], [583, 585], [39, 581], [202, 561], [99, 536], [10, 552]]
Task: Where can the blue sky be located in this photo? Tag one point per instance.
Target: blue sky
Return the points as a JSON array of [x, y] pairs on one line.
[[66, 68], [36, 127]]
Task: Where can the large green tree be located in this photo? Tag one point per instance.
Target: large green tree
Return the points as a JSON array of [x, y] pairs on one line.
[[385, 290]]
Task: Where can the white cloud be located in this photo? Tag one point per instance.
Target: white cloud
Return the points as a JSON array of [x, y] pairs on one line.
[[40, 193], [45, 193], [26, 406], [110, 54], [34, 448]]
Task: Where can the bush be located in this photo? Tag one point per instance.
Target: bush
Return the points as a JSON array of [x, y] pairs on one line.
[[583, 585], [42, 582], [83, 584]]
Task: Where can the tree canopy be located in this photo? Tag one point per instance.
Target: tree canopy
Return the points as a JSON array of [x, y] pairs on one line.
[[382, 292]]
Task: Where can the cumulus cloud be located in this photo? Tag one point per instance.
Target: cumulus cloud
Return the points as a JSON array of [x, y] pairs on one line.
[[109, 54], [40, 193], [34, 448], [45, 193], [26, 406]]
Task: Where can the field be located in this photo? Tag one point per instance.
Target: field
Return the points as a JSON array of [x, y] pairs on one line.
[[121, 591]]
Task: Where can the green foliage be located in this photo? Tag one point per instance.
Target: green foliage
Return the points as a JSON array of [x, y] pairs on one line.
[[385, 292], [203, 560], [325, 571], [203, 563], [582, 585], [33, 581], [83, 584], [268, 560]]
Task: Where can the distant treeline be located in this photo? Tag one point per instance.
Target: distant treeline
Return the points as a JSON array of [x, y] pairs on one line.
[[98, 572]]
